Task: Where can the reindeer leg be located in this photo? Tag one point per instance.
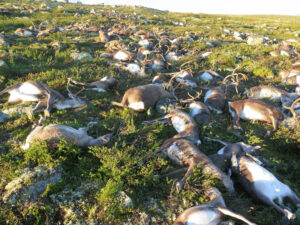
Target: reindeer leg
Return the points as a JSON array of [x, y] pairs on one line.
[[269, 202], [38, 106], [236, 123], [49, 105], [295, 199], [234, 215], [193, 163]]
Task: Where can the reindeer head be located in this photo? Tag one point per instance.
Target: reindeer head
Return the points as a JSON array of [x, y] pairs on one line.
[[73, 101]]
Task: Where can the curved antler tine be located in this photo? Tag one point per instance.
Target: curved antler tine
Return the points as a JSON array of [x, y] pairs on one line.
[[68, 84], [185, 64], [190, 95], [292, 108]]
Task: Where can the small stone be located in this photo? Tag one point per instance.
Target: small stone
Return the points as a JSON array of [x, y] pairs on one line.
[[255, 40], [124, 199], [81, 56], [2, 64]]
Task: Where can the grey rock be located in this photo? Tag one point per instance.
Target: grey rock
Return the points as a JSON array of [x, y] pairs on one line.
[[124, 199], [28, 187], [81, 56], [165, 105], [2, 63]]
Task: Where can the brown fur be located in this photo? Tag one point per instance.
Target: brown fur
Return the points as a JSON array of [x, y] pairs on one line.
[[216, 206], [53, 133], [270, 113], [217, 99], [189, 155], [149, 94], [103, 38]]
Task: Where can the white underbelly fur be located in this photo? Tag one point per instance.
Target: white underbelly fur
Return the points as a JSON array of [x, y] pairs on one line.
[[207, 95], [16, 94], [178, 124], [267, 182], [137, 105], [195, 109], [29, 89], [250, 114], [204, 217]]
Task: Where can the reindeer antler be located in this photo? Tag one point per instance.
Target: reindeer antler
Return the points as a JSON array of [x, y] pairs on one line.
[[236, 78], [75, 82], [192, 98], [292, 107]]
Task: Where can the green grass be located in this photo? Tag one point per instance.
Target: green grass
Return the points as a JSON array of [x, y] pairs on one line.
[[131, 160]]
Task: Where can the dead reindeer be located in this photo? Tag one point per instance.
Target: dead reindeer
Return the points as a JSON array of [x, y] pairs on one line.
[[123, 55], [53, 133], [108, 53], [143, 34], [211, 213], [142, 97], [185, 153], [253, 109], [291, 76], [186, 78], [272, 93], [262, 185], [100, 86], [264, 91], [115, 44], [35, 91], [215, 97], [198, 110], [103, 37], [223, 156], [209, 76]]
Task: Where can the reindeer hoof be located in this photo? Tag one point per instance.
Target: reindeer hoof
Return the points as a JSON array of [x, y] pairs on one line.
[[289, 214], [179, 186], [30, 115], [268, 134], [46, 113]]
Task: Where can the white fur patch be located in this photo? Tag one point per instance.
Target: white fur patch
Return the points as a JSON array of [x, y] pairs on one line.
[[206, 76], [204, 217], [266, 182], [208, 94], [120, 55], [266, 93], [28, 88], [175, 153], [26, 146], [135, 69], [137, 105], [195, 109], [178, 124], [221, 151], [249, 113], [144, 43], [16, 94], [298, 80], [204, 55], [172, 56]]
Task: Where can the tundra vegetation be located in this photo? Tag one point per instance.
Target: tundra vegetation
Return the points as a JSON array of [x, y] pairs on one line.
[[50, 42]]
